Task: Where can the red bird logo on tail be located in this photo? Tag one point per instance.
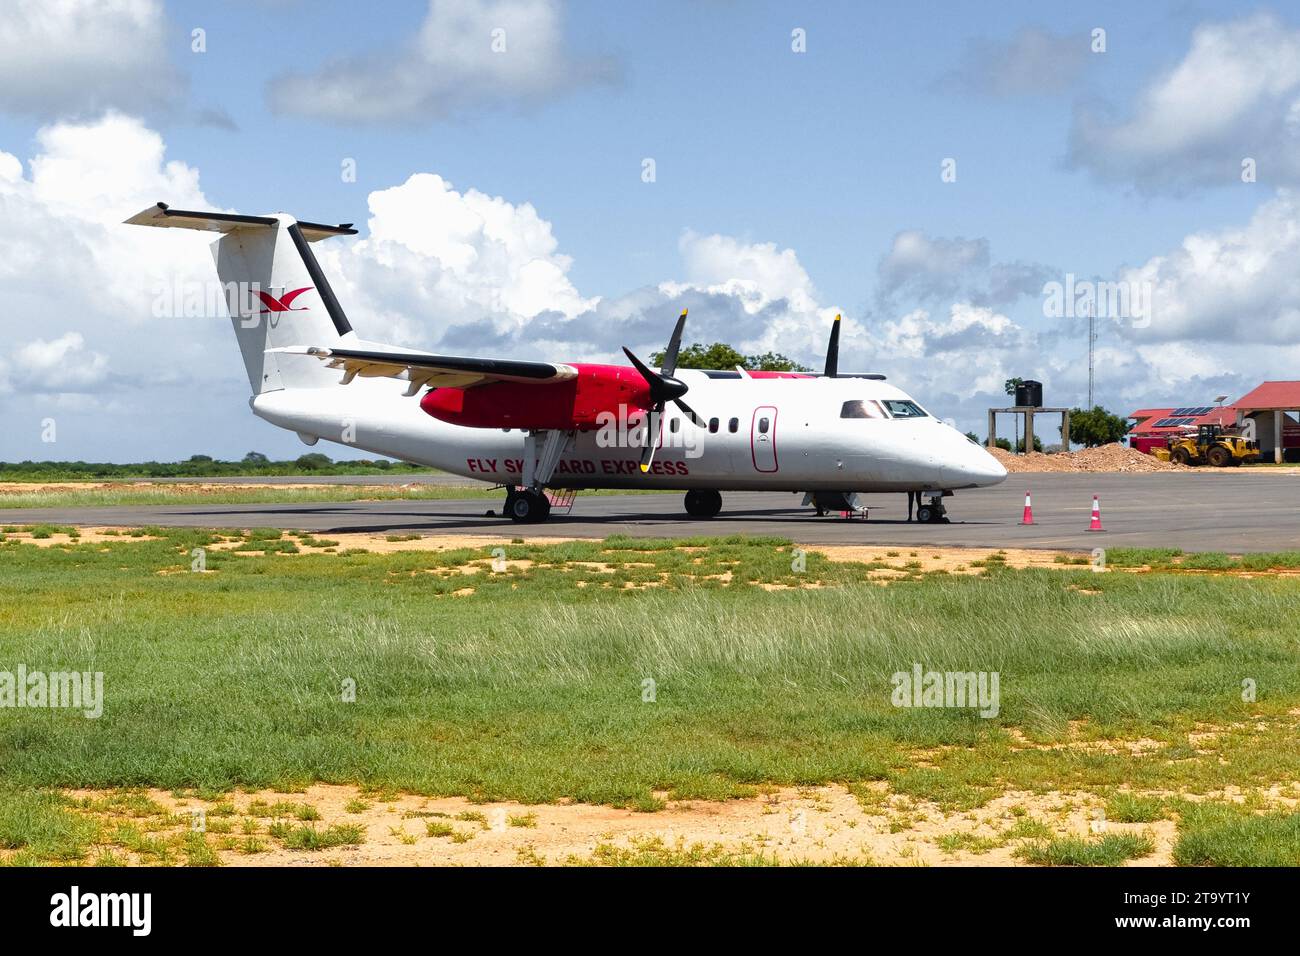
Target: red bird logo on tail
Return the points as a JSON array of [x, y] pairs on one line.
[[284, 303]]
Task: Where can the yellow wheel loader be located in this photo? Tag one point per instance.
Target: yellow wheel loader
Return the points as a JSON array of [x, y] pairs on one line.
[[1211, 445]]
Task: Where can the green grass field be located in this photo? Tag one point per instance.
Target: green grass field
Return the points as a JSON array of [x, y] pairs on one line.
[[612, 672]]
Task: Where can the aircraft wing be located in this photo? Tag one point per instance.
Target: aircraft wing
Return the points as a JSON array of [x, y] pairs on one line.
[[439, 371]]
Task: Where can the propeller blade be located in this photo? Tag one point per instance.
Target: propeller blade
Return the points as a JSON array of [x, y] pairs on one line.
[[833, 351], [669, 365], [647, 373], [663, 388], [690, 413], [651, 439]]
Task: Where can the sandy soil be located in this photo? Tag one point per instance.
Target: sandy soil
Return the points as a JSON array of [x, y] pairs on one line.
[[1113, 457], [1116, 458], [904, 561], [87, 536], [952, 560], [168, 487], [814, 824]]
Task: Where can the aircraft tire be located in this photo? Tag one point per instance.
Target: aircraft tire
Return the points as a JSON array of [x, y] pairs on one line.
[[703, 504], [527, 507]]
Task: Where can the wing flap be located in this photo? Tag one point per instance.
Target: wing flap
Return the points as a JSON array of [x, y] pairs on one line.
[[439, 371]]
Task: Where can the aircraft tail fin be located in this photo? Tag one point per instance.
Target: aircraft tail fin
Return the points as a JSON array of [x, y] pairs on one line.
[[274, 288]]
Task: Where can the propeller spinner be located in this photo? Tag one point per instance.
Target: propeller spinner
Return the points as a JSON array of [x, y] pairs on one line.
[[664, 388]]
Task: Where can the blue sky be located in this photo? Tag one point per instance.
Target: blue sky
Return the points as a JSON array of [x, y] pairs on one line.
[[829, 155]]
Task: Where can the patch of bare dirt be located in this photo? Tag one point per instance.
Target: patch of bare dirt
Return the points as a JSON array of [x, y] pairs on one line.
[[85, 536], [951, 560], [1113, 457], [165, 487], [807, 824]]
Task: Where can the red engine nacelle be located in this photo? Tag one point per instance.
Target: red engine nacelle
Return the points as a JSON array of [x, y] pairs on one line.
[[570, 404]]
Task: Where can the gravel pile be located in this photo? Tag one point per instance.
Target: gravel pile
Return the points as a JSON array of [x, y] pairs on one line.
[[1113, 457]]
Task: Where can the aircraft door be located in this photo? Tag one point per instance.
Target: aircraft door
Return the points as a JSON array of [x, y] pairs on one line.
[[762, 438]]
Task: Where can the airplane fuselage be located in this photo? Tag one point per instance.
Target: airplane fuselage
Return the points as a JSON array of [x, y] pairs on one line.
[[776, 434]]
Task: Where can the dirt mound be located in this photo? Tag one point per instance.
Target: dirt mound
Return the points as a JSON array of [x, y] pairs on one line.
[[1112, 457]]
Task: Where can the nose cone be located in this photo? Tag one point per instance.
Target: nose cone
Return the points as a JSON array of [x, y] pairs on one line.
[[967, 465], [983, 468]]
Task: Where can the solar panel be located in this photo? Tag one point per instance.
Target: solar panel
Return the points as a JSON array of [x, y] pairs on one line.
[[1193, 410], [1163, 423], [1172, 422]]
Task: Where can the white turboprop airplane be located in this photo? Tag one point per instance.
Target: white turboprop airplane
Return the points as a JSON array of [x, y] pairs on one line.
[[533, 426]]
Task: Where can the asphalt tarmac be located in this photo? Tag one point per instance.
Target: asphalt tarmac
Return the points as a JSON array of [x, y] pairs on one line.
[[1230, 510]]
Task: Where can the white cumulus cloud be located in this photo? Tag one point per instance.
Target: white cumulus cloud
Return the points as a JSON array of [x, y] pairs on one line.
[[1232, 285], [1235, 95], [452, 268], [466, 54], [77, 56]]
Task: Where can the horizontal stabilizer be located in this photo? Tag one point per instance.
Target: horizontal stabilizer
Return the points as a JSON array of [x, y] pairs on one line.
[[163, 215]]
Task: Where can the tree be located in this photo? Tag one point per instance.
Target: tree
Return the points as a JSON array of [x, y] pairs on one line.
[[200, 458], [312, 461], [255, 458], [723, 357], [1020, 444], [1010, 386], [774, 362], [1096, 426]]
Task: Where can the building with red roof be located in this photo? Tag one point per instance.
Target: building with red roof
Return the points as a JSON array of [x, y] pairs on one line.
[[1265, 409], [1275, 409]]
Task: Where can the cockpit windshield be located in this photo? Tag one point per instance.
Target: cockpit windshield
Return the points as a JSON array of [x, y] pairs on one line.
[[860, 409], [904, 409]]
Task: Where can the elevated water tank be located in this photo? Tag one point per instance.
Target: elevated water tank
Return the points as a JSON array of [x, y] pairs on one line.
[[1029, 394]]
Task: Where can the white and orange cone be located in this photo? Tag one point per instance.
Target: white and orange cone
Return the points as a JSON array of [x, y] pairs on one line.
[[1029, 511], [1096, 515]]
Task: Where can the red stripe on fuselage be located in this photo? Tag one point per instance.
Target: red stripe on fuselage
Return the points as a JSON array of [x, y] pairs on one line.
[[574, 403]]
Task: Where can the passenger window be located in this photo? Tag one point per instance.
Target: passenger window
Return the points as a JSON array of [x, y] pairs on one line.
[[762, 426], [713, 426], [734, 425]]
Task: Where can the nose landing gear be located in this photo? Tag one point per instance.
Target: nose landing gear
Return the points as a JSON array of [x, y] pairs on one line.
[[934, 511]]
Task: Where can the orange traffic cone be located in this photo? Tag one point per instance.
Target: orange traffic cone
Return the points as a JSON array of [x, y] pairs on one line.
[[1096, 516], [1029, 511]]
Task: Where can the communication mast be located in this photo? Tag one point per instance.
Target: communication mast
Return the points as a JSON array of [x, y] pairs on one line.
[[1092, 341]]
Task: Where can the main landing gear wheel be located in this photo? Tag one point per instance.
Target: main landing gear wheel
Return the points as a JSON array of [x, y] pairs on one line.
[[527, 507], [703, 504]]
